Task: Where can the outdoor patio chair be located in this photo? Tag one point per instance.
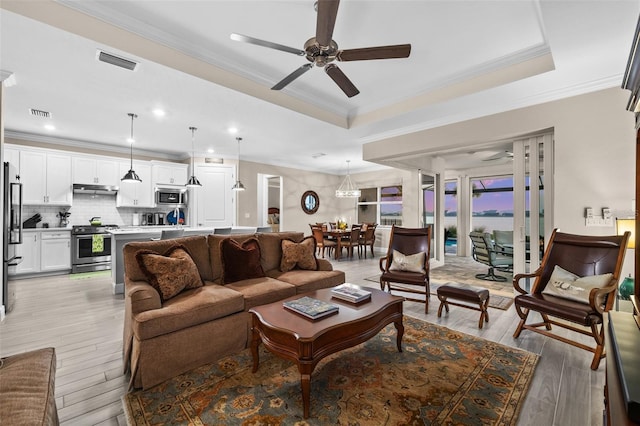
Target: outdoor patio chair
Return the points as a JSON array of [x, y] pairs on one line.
[[407, 263], [577, 282], [484, 252]]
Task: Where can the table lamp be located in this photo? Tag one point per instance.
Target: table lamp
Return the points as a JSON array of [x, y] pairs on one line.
[[626, 289]]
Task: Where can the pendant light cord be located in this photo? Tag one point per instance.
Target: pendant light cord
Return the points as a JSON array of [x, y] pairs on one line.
[[132, 115]]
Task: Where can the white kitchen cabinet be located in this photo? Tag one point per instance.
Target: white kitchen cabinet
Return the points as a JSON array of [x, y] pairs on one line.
[[30, 252], [12, 155], [169, 174], [46, 178], [55, 251], [94, 171], [138, 194]]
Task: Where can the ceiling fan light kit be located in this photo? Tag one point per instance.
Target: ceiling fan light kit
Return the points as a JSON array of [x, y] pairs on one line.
[[322, 51]]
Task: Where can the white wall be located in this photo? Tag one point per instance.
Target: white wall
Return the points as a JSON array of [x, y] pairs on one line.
[[594, 151], [294, 183]]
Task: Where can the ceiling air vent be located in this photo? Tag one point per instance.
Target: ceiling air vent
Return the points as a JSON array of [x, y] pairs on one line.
[[116, 60], [39, 113]]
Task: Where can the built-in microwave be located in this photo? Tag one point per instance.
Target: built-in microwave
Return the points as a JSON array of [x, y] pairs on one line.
[[175, 197]]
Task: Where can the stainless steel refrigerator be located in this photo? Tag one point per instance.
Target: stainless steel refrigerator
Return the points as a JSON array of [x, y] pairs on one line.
[[12, 229]]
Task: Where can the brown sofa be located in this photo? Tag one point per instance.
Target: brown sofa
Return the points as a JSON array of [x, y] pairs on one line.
[[199, 326], [27, 385]]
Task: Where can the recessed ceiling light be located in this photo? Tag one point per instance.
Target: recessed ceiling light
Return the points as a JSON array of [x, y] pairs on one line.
[[210, 151], [50, 127], [232, 130], [159, 112]]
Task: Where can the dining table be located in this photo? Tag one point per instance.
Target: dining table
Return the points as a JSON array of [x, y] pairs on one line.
[[339, 236]]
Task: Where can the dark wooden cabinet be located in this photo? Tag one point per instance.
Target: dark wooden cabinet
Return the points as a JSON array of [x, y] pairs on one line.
[[622, 386]]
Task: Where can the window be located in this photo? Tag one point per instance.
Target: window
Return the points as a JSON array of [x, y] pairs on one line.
[[381, 205]]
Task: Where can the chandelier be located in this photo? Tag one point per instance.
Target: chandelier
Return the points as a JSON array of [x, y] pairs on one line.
[[347, 189]]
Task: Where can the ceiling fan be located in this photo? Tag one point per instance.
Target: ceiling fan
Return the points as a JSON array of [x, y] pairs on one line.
[[322, 51], [499, 155]]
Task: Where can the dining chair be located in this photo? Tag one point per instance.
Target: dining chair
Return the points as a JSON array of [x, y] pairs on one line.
[[368, 238], [351, 240], [321, 242]]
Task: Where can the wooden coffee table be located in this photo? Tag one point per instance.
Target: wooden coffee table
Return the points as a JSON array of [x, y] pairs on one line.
[[305, 342]]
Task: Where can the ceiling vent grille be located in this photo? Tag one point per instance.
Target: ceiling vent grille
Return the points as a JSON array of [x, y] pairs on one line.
[[116, 60], [39, 113]]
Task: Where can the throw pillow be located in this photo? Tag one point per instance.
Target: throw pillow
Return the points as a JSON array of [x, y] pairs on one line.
[[240, 261], [301, 255], [171, 272], [408, 263], [567, 285]]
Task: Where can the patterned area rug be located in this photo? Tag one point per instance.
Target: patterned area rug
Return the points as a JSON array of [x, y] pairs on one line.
[[441, 377]]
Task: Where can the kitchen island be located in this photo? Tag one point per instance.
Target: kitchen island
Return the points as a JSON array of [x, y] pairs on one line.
[[122, 236]]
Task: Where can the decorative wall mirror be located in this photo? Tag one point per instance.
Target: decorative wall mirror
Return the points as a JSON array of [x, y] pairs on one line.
[[310, 202]]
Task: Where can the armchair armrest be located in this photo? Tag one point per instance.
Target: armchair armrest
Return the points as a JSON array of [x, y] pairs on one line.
[[384, 260], [597, 297], [518, 277]]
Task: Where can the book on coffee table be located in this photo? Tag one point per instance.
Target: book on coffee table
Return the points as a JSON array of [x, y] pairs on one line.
[[350, 293], [310, 307]]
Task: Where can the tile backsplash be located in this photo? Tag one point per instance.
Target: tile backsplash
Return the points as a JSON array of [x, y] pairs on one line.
[[86, 206]]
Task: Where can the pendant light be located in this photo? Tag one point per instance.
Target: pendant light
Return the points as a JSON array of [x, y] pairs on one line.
[[131, 176], [347, 189], [238, 186], [193, 180]]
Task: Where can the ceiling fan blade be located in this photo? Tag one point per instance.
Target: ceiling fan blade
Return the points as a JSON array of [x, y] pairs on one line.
[[327, 12], [288, 79], [341, 80], [264, 43], [499, 155], [380, 52]]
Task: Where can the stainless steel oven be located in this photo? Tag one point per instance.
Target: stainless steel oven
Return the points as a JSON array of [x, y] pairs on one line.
[[90, 248]]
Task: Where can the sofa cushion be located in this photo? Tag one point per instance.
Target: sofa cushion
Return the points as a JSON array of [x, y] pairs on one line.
[[189, 308], [300, 255], [260, 291], [240, 261], [215, 255], [271, 247], [196, 245], [171, 272], [305, 281]]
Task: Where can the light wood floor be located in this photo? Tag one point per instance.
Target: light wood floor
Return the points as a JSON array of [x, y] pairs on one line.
[[83, 320]]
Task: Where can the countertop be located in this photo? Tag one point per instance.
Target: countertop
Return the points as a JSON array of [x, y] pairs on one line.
[[45, 229], [133, 230]]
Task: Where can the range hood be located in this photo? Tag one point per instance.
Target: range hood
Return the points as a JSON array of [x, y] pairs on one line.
[[79, 188]]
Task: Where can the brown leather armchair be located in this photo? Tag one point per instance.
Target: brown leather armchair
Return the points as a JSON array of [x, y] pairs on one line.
[[408, 241], [582, 256]]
